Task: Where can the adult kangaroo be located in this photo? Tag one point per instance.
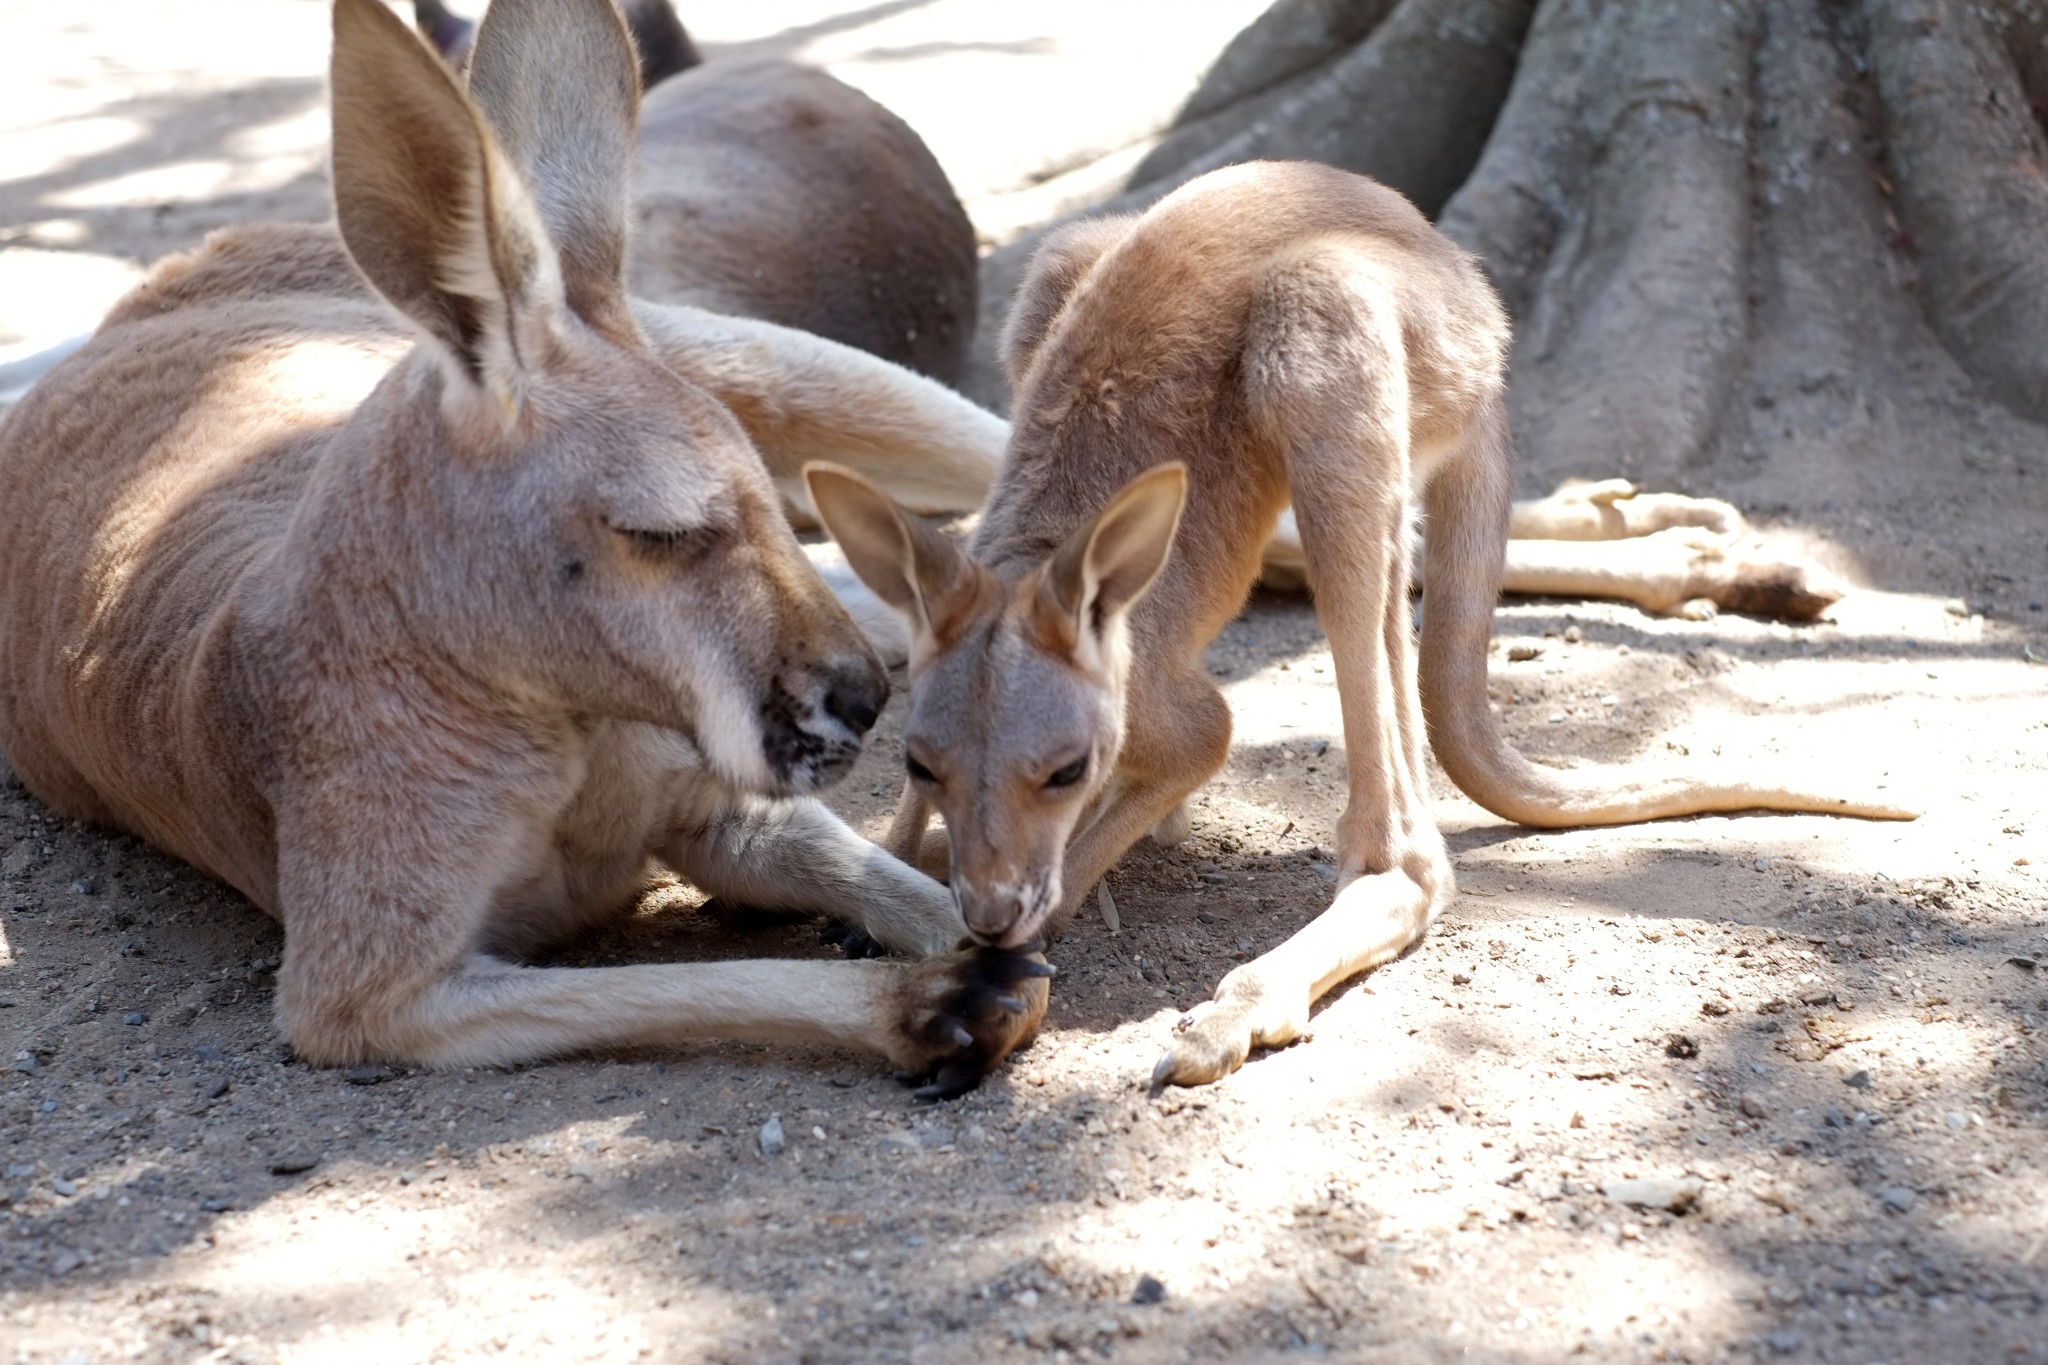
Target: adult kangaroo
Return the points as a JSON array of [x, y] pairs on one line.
[[390, 572]]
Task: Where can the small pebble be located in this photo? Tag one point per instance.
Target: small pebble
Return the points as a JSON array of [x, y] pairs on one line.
[[63, 1186], [217, 1089], [1784, 1343], [900, 1142], [1215, 878], [1899, 1199], [1857, 1080], [135, 1020], [1671, 1196], [1754, 1107], [1572, 635], [773, 1140], [1149, 1291], [291, 1163], [1956, 1120], [370, 1073]]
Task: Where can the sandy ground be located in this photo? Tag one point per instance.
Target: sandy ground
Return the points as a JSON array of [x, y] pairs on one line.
[[1832, 1030]]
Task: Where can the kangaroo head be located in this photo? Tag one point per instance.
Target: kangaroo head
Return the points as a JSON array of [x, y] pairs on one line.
[[1016, 685], [552, 511]]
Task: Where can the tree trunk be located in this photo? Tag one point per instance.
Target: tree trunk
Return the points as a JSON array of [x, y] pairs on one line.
[[1780, 247]]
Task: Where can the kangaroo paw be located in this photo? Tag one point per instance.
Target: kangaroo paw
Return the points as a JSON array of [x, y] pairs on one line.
[[960, 1014], [1215, 1037]]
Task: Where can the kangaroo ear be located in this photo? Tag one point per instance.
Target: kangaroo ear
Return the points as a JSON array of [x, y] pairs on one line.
[[1107, 565], [560, 84], [435, 219], [913, 568]]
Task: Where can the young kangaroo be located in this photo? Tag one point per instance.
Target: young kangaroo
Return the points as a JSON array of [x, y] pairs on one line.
[[1268, 330], [427, 617]]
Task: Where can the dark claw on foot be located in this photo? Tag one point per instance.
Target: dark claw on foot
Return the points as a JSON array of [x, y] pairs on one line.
[[961, 1037], [1044, 969], [1010, 1004], [859, 944], [953, 1080]]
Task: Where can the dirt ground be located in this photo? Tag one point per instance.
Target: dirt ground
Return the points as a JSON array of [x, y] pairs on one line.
[[1833, 1030]]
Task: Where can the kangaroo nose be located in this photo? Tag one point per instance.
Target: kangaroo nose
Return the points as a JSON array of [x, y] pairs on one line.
[[856, 702]]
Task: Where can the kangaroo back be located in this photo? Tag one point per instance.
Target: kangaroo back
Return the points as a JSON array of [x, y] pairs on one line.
[[773, 190]]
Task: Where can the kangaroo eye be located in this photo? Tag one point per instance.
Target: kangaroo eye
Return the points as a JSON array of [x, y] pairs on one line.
[[918, 772], [1069, 775]]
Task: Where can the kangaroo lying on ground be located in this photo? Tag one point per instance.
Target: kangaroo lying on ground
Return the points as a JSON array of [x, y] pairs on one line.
[[1285, 330], [428, 637], [770, 189]]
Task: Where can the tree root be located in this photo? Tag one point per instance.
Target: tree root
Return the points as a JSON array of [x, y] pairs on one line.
[[1281, 52], [1631, 331], [1972, 172]]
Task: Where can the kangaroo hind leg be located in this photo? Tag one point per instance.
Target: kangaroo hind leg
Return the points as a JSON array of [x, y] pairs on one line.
[[1328, 388]]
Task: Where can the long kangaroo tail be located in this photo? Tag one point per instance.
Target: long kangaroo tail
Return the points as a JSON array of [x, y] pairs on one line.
[[1467, 505]]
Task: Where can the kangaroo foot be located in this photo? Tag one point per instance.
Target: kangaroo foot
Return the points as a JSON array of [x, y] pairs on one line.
[[961, 1013], [1215, 1037]]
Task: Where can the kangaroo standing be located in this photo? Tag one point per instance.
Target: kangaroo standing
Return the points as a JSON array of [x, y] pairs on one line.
[[427, 617], [1286, 330]]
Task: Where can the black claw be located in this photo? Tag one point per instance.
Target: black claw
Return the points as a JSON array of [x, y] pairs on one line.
[[1009, 1004], [953, 1080], [961, 1037], [859, 944], [1044, 969]]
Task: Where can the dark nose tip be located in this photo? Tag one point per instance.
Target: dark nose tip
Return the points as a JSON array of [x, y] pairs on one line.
[[857, 701]]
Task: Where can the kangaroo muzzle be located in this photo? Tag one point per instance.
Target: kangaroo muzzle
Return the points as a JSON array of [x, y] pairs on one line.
[[1006, 913]]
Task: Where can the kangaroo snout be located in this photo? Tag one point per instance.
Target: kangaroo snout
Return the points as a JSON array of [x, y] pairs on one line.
[[856, 695], [1009, 913], [813, 719]]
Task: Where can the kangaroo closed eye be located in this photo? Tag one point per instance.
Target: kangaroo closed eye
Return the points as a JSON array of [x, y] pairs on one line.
[[667, 539]]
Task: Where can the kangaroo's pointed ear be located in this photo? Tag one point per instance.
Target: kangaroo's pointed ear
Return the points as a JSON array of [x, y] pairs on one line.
[[917, 571], [1107, 565], [433, 215], [560, 85]]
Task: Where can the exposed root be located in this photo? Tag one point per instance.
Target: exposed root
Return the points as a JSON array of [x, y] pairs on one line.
[[1628, 349], [1277, 55], [1972, 171], [1515, 205]]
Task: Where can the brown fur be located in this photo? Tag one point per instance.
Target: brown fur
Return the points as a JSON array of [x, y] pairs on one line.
[[1286, 330], [773, 190], [429, 621]]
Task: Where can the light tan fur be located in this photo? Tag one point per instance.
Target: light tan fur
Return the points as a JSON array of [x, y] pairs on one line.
[[1275, 331], [430, 617]]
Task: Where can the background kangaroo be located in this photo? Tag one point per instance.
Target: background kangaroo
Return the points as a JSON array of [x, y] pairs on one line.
[[770, 189], [1287, 330], [428, 637]]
